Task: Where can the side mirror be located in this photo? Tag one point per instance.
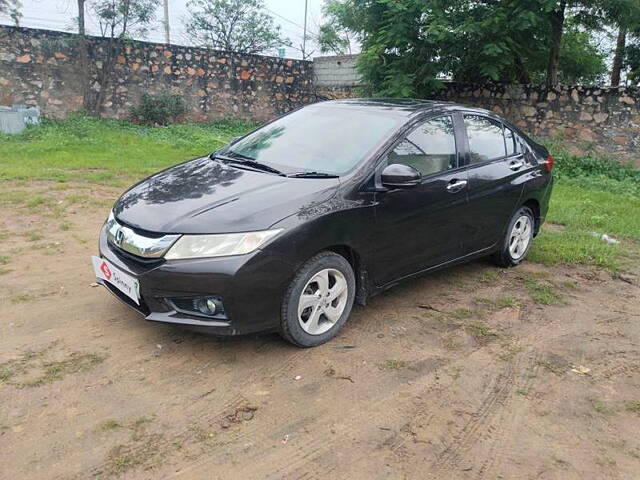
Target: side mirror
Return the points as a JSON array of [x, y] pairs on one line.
[[398, 175]]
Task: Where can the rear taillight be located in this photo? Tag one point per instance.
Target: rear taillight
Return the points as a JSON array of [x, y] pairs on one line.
[[548, 163]]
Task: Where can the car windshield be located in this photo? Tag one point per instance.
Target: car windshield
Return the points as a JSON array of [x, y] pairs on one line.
[[317, 138]]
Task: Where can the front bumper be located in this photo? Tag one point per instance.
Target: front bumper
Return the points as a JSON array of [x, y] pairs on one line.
[[251, 287]]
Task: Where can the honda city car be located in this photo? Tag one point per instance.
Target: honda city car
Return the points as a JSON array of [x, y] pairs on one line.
[[285, 228]]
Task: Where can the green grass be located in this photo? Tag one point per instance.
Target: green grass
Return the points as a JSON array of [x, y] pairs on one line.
[[592, 196], [586, 214], [106, 151]]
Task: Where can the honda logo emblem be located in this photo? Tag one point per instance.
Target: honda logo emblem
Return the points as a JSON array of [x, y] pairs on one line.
[[119, 237]]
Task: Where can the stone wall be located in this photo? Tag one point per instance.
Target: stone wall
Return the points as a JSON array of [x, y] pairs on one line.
[[604, 119], [41, 67]]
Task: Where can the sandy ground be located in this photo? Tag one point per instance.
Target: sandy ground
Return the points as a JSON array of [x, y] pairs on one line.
[[463, 374]]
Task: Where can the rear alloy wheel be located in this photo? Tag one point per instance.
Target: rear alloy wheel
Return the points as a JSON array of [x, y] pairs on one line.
[[318, 301], [518, 239]]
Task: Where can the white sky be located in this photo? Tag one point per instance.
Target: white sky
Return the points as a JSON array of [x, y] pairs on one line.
[[289, 14]]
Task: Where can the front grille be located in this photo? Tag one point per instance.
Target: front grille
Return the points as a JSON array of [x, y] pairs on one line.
[[129, 257]]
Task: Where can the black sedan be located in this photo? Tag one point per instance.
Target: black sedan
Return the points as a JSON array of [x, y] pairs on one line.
[[285, 228]]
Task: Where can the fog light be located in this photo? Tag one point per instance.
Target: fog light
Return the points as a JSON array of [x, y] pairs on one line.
[[211, 306], [203, 306]]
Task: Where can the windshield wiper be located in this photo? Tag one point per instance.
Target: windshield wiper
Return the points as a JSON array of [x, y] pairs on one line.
[[242, 160], [312, 175]]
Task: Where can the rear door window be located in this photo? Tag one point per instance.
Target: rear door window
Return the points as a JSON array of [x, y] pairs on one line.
[[430, 148], [486, 140]]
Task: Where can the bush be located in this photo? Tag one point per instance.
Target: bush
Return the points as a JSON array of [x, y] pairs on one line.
[[595, 171], [159, 109]]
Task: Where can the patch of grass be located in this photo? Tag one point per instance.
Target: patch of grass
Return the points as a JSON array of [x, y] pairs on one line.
[[123, 458], [633, 407], [20, 365], [461, 313], [479, 329], [489, 276], [498, 303], [33, 236], [600, 407], [450, 342], [141, 421], [35, 201], [65, 226], [510, 350], [553, 366], [22, 298], [108, 425], [543, 293], [392, 364], [89, 149], [4, 259], [521, 391], [53, 371], [585, 211]]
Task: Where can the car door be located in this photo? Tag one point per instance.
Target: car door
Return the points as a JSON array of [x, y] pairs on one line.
[[422, 226], [494, 164]]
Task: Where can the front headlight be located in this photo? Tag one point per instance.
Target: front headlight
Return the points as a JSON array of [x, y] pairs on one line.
[[219, 245]]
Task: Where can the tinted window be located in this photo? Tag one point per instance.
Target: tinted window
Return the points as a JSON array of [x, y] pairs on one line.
[[319, 138], [486, 141], [430, 148]]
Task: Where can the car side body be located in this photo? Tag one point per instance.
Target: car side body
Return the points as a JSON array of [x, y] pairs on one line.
[[387, 234]]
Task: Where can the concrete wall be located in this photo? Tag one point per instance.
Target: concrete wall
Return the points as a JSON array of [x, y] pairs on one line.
[[40, 67], [336, 71]]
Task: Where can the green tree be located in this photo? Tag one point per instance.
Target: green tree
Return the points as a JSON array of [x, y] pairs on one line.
[[334, 36], [11, 8], [632, 60], [233, 25], [118, 20], [407, 45]]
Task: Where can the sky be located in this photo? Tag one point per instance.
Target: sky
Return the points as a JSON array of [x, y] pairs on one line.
[[289, 14]]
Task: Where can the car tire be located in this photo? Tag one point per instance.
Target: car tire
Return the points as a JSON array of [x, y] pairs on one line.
[[517, 240], [318, 300]]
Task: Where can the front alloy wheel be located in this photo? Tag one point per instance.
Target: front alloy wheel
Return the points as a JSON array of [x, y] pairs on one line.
[[322, 301], [318, 300]]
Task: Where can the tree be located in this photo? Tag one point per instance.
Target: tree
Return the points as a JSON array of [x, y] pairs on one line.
[[118, 21], [83, 53], [408, 45], [632, 61], [334, 36], [625, 15], [616, 68], [11, 8], [232, 25]]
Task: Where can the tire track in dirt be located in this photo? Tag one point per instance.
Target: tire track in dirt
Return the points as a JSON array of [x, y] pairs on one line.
[[504, 426], [306, 459], [231, 405]]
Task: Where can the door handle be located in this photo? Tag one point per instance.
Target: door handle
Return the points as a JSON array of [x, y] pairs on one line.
[[456, 185], [516, 165]]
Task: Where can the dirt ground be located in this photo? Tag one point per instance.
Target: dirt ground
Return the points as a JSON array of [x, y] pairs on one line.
[[474, 372]]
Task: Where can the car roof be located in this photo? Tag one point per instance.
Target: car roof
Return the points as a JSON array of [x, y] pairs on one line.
[[406, 107]]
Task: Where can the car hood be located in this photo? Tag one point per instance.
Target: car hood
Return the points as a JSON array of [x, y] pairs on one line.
[[206, 196]]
